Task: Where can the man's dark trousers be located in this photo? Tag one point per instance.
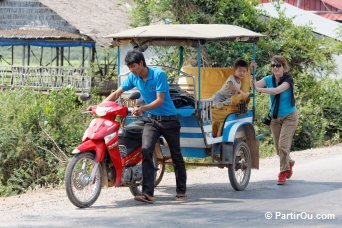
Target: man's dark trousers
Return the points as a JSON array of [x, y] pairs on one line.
[[170, 130]]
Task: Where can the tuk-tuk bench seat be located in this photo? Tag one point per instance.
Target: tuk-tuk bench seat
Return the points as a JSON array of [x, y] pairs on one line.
[[211, 81]]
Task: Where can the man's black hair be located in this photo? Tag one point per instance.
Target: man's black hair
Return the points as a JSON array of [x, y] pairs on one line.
[[134, 56], [240, 63]]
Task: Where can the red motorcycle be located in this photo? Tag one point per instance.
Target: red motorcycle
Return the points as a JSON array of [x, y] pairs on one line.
[[109, 155]]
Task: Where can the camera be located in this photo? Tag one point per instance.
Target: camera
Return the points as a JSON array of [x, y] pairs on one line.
[[266, 120]]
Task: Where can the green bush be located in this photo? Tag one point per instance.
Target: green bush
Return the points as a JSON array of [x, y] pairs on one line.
[[320, 109], [28, 157]]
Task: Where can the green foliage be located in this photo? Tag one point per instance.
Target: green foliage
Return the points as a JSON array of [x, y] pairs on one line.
[[320, 112], [151, 11], [104, 71], [28, 157], [166, 57], [299, 45]]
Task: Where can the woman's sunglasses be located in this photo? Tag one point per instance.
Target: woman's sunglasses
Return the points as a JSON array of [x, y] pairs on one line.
[[276, 65]]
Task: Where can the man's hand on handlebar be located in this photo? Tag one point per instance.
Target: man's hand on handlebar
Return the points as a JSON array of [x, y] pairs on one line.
[[90, 108], [137, 111]]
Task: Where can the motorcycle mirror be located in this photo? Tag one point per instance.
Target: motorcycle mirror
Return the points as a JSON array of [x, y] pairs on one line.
[[85, 96], [134, 96]]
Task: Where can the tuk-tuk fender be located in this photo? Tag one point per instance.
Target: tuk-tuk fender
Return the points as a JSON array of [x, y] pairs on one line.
[[244, 131], [236, 130]]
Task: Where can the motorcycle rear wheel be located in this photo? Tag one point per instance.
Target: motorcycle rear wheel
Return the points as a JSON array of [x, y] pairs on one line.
[[80, 191], [136, 188], [160, 172]]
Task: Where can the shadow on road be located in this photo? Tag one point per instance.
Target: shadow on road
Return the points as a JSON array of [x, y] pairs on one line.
[[267, 189], [220, 193], [216, 204]]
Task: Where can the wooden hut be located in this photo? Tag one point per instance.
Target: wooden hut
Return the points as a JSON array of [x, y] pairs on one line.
[[39, 39]]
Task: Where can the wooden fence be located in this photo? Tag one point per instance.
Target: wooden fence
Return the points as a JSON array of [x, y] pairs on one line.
[[44, 78]]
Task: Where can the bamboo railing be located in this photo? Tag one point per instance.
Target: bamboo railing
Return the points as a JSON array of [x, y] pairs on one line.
[[44, 78]]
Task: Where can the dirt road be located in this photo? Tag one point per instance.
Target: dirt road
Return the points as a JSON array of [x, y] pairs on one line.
[[313, 196]]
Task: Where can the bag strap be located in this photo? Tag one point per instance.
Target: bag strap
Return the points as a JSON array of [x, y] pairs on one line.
[[277, 100], [269, 112]]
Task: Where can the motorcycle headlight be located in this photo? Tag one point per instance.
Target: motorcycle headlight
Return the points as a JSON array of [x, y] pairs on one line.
[[102, 111]]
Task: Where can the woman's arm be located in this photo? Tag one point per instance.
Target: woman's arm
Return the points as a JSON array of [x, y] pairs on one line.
[[279, 89], [259, 84]]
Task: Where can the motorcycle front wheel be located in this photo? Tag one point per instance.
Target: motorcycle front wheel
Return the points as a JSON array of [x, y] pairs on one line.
[[80, 189]]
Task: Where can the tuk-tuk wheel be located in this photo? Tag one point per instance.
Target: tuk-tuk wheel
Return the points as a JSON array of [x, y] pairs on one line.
[[239, 171]]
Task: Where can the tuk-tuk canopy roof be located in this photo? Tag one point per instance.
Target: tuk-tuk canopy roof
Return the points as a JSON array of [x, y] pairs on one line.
[[183, 34]]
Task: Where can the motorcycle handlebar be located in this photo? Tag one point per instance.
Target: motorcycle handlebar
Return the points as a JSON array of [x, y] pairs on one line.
[[91, 110]]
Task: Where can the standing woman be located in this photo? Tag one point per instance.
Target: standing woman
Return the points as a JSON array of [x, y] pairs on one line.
[[283, 112]]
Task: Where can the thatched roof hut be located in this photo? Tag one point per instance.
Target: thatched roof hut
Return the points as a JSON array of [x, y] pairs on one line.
[[62, 19], [96, 18], [38, 36]]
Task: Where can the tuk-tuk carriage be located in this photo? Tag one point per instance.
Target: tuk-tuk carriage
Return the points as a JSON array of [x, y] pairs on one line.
[[227, 135]]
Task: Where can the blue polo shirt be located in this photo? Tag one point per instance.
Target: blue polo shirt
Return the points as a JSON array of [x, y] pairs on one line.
[[156, 83], [285, 107]]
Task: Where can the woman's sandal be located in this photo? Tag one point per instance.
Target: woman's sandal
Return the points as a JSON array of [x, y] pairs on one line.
[[144, 198], [180, 197]]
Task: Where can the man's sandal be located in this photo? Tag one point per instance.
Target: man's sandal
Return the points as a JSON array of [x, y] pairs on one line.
[[180, 197], [144, 198]]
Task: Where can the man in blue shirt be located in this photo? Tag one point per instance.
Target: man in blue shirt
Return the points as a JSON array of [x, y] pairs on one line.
[[162, 121]]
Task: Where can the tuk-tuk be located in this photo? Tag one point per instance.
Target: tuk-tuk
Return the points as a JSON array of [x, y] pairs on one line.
[[227, 135]]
